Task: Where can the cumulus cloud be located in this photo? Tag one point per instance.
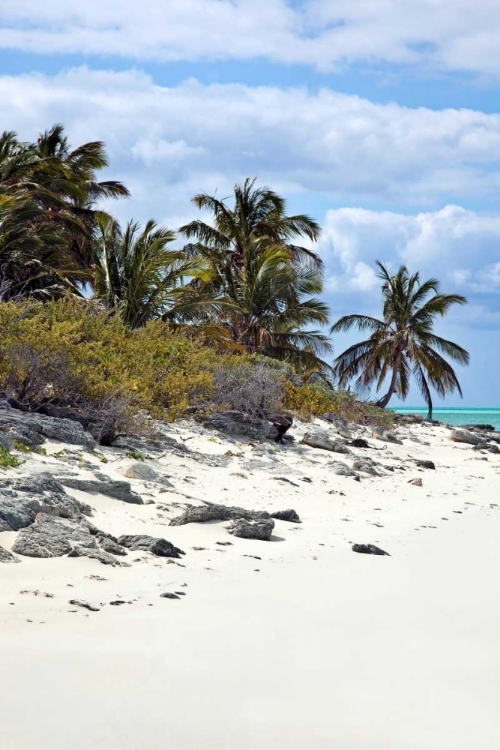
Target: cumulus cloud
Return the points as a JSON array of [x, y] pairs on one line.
[[169, 142], [449, 35], [459, 247]]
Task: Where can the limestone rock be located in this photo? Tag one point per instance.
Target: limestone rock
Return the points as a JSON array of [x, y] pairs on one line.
[[98, 554], [32, 429], [51, 537], [461, 436], [212, 512], [157, 546], [233, 422], [103, 485], [423, 464], [5, 442], [245, 529], [140, 470], [366, 465], [289, 515], [322, 440], [109, 545], [341, 469], [416, 482], [7, 557], [368, 549]]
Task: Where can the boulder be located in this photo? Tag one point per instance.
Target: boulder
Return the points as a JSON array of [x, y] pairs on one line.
[[33, 428], [366, 465], [140, 470], [212, 512], [98, 554], [289, 515], [103, 485], [7, 557], [368, 549], [341, 469], [246, 529], [144, 543], [423, 464], [51, 537], [461, 436], [23, 497], [322, 440], [109, 545], [493, 448], [233, 422]]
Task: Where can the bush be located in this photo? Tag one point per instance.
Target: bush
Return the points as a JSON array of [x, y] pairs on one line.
[[249, 385], [7, 461]]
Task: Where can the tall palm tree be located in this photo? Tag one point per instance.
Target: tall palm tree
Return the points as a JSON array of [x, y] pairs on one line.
[[403, 343], [137, 275], [261, 279]]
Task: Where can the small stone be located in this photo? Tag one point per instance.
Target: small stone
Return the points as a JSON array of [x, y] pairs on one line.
[[289, 515], [85, 605], [368, 549], [416, 482], [169, 596]]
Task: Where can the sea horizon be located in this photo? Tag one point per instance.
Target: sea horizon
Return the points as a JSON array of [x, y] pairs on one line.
[[457, 415]]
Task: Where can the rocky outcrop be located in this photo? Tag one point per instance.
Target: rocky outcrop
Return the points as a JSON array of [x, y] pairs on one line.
[[100, 555], [22, 498], [233, 422], [368, 549], [212, 512], [157, 546], [7, 557], [52, 537], [103, 485], [340, 469], [32, 429], [366, 465], [258, 529], [289, 515], [322, 440], [461, 436]]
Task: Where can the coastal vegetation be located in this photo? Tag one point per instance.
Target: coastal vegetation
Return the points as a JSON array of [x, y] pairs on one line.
[[118, 324]]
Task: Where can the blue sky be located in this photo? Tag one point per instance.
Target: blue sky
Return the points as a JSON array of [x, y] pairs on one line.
[[379, 117]]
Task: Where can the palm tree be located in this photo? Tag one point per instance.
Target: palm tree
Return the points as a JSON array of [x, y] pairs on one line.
[[403, 343], [137, 275], [261, 280]]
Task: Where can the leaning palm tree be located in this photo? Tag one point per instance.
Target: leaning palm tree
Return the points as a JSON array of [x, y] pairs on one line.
[[138, 276], [403, 344]]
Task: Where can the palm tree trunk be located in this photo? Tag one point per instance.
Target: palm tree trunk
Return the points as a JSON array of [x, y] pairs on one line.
[[392, 387]]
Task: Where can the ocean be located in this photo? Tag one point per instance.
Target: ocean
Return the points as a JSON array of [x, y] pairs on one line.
[[457, 415]]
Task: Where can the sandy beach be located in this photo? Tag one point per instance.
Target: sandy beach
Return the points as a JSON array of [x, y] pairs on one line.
[[269, 644]]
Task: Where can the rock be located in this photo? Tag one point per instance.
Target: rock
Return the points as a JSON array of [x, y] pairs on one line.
[[32, 429], [157, 546], [341, 469], [416, 482], [289, 515], [322, 440], [389, 437], [6, 442], [7, 557], [285, 479], [97, 554], [109, 545], [365, 465], [169, 596], [460, 436], [480, 427], [359, 443], [212, 512], [140, 470], [246, 529], [368, 549], [423, 464], [233, 422], [51, 537], [23, 497], [103, 485], [493, 448], [85, 605]]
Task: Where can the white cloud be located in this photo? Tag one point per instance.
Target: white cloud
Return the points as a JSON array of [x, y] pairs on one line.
[[459, 247], [445, 34], [168, 143]]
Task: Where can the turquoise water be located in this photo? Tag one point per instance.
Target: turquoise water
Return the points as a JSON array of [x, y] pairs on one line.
[[458, 416]]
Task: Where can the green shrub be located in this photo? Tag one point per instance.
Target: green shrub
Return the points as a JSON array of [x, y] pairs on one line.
[[7, 461]]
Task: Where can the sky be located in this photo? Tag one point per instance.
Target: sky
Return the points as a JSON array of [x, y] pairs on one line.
[[380, 118]]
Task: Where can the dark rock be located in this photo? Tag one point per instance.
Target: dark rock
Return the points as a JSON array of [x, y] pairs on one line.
[[103, 485], [460, 436], [322, 440], [33, 428], [289, 515], [234, 422], [212, 512], [285, 479], [7, 557], [359, 443], [479, 427], [493, 448], [368, 549], [157, 546], [169, 596], [281, 424], [98, 554], [23, 497], [51, 537], [365, 465], [109, 545], [85, 605], [6, 442], [341, 469], [244, 529], [423, 464]]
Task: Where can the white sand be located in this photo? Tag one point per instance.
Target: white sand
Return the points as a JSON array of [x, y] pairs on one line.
[[312, 645]]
